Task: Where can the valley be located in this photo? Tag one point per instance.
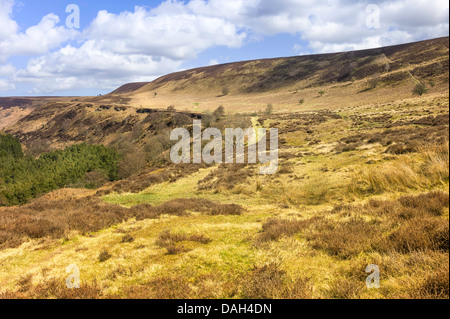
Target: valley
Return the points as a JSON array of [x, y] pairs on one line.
[[362, 179]]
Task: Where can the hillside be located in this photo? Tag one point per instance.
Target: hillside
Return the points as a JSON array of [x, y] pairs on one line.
[[284, 81], [363, 179], [326, 81]]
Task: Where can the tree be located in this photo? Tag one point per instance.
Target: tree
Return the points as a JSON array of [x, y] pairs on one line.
[[353, 67], [269, 109], [321, 93], [10, 146], [171, 108], [301, 101], [225, 91], [374, 81], [420, 89]]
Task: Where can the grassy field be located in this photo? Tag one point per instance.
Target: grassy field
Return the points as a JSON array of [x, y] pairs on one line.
[[357, 185]]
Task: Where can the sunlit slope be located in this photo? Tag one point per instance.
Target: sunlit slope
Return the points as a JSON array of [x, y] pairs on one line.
[[386, 73]]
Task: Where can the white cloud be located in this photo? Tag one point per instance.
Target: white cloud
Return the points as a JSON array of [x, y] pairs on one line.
[[332, 25], [38, 39], [7, 70], [6, 86], [7, 25], [130, 46], [175, 35], [146, 43]]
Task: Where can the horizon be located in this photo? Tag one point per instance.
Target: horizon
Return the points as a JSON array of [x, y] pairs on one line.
[[46, 51]]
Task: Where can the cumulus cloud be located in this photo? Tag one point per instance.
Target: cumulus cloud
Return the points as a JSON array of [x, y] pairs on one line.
[[334, 25], [8, 26], [146, 43], [38, 39], [7, 69], [6, 86], [175, 35], [90, 66], [130, 46]]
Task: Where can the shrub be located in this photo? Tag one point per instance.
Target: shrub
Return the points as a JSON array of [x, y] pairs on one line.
[[270, 282], [56, 289], [420, 89], [435, 285], [104, 256], [162, 288], [274, 228], [344, 239], [169, 241], [127, 239], [225, 91], [374, 81]]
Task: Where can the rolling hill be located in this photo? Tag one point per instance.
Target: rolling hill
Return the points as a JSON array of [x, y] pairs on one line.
[[301, 83], [363, 180], [284, 81]]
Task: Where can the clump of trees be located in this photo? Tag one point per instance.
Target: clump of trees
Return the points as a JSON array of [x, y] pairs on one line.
[[24, 177], [209, 119]]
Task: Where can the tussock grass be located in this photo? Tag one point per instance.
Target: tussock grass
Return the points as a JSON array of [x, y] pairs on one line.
[[406, 173]]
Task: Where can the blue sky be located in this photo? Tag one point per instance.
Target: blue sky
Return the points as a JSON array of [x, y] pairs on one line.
[[125, 41]]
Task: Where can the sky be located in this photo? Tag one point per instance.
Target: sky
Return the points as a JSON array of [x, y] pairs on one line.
[[91, 47]]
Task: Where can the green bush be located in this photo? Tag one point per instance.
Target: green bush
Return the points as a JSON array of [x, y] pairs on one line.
[[420, 89], [23, 178]]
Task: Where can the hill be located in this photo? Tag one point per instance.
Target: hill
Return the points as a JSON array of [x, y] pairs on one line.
[[363, 180], [302, 83], [248, 85]]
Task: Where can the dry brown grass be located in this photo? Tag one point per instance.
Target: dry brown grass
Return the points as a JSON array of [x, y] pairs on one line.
[[162, 288], [57, 219], [344, 239], [171, 241], [180, 207], [270, 282], [409, 224], [435, 285], [275, 228], [55, 289]]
